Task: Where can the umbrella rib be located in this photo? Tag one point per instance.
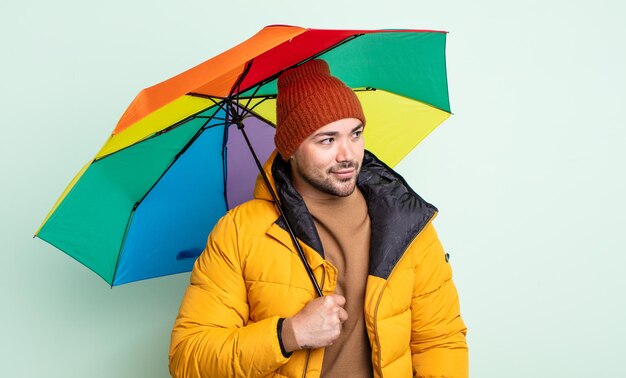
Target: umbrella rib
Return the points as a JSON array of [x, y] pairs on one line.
[[250, 98], [220, 104], [247, 109], [210, 117], [162, 132], [242, 76], [179, 154], [250, 111], [225, 156], [212, 99], [234, 95], [195, 94], [167, 129], [273, 96], [119, 254]]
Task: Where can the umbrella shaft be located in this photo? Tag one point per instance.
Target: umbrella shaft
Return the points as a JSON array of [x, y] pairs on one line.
[[318, 290]]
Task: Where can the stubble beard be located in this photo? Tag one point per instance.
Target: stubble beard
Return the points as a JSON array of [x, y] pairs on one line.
[[334, 186]]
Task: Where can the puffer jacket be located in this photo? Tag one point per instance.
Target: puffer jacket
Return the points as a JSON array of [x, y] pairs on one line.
[[250, 276]]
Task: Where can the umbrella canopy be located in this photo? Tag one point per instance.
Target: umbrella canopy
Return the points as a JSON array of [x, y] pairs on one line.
[[176, 162]]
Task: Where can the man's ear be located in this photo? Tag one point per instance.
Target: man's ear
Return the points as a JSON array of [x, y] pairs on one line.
[[291, 163]]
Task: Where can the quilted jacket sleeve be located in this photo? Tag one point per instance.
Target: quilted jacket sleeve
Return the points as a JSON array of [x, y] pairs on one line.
[[212, 335], [438, 343]]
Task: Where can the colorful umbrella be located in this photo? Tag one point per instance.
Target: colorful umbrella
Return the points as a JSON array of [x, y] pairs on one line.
[[176, 161]]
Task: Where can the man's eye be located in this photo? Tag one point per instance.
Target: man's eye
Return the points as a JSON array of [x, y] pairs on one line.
[[358, 133], [327, 141]]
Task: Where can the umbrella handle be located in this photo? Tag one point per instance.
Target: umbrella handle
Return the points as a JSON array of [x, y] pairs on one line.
[[318, 290]]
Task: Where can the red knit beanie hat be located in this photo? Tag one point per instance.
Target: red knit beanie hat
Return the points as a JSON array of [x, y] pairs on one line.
[[309, 98]]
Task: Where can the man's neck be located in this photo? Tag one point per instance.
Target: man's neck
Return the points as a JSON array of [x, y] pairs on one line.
[[328, 200]]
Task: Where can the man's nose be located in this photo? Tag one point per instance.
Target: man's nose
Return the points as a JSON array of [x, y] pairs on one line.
[[345, 151]]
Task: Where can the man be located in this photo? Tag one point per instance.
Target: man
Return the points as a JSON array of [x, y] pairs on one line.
[[390, 307]]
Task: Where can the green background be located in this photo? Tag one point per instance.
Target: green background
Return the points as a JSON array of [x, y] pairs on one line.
[[527, 175]]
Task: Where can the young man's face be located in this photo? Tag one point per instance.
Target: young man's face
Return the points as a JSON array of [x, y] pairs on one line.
[[328, 162]]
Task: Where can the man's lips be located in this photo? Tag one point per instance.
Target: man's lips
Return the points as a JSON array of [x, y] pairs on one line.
[[344, 173]]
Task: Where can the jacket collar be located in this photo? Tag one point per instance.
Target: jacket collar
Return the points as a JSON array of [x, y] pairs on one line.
[[397, 213]]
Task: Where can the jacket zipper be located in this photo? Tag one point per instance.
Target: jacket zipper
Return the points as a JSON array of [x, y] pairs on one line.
[[306, 362], [308, 352], [380, 297], [380, 357]]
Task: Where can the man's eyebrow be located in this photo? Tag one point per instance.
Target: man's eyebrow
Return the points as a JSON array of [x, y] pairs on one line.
[[327, 133], [360, 126], [333, 133]]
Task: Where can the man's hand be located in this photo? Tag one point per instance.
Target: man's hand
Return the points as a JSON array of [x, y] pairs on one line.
[[317, 325]]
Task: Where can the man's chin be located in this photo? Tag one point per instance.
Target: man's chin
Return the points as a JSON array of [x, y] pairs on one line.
[[345, 191]]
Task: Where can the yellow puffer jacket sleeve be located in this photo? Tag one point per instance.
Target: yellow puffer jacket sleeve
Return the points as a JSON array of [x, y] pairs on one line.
[[438, 345], [212, 335]]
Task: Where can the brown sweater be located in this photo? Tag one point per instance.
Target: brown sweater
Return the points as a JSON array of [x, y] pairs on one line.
[[343, 225]]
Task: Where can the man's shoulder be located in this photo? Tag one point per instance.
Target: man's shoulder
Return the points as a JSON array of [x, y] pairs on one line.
[[253, 214]]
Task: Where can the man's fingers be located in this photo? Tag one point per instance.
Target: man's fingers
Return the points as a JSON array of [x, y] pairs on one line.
[[343, 315], [338, 299]]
